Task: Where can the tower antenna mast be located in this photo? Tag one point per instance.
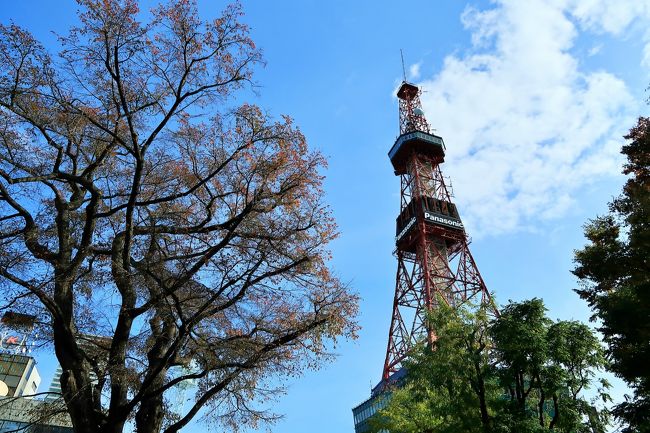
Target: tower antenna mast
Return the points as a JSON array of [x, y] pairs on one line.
[[403, 68]]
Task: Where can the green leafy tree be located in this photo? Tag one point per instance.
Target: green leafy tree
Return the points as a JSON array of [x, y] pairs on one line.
[[614, 270], [449, 387], [520, 372], [544, 366], [521, 349]]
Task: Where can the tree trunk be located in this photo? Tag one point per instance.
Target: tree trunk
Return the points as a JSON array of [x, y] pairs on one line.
[[556, 415], [485, 416], [150, 415]]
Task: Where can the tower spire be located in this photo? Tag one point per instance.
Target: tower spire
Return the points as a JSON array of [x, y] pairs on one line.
[[411, 115]]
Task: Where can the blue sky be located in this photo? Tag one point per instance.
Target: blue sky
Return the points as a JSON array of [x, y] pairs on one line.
[[532, 99]]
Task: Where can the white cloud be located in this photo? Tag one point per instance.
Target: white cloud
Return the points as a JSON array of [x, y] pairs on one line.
[[526, 128], [595, 50], [645, 61], [614, 17], [414, 71], [607, 16]]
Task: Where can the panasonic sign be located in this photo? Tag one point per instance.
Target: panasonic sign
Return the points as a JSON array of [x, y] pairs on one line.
[[444, 220], [405, 229]]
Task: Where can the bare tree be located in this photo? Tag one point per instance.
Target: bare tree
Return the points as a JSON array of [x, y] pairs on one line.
[[189, 237]]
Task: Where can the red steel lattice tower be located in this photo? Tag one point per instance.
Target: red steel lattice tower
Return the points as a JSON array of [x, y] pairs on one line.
[[433, 258]]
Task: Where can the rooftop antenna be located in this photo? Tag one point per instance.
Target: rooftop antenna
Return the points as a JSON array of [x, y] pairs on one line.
[[403, 68]]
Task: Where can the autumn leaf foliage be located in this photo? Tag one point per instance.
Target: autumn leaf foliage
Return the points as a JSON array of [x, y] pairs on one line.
[[140, 206]]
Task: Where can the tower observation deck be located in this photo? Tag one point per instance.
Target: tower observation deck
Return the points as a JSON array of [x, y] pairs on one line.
[[434, 263]]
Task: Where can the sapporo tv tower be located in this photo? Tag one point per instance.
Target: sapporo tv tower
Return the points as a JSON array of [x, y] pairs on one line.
[[434, 263]]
